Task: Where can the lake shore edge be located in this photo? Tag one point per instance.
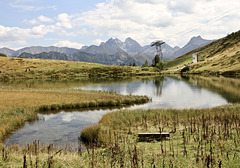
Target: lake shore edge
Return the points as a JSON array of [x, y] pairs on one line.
[[33, 101], [194, 136]]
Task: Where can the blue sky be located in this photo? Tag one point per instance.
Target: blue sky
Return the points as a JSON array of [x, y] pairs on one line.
[[75, 23]]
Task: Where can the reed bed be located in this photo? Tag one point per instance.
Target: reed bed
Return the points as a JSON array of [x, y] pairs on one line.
[[198, 138], [36, 155], [18, 106]]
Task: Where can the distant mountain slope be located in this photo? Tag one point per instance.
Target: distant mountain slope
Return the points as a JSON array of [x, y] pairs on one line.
[[220, 56], [45, 55], [122, 52], [8, 52], [167, 51], [115, 59], [39, 49], [119, 58], [93, 49], [195, 42], [132, 47]]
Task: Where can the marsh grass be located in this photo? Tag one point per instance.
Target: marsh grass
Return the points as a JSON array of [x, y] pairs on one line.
[[18, 106], [36, 155], [198, 137]]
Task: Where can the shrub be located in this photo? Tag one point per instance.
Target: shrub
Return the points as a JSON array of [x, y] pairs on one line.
[[44, 108], [112, 103], [92, 104], [90, 134], [54, 107], [67, 106], [84, 105], [160, 65], [2, 55], [118, 103]]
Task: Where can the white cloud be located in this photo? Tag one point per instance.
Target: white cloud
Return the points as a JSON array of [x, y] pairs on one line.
[[174, 21], [64, 21], [26, 7], [67, 117], [29, 5], [41, 19], [15, 35], [25, 1], [185, 6], [98, 41], [44, 19], [66, 43]]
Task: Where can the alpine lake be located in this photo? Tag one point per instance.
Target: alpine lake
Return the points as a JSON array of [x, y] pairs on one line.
[[62, 128]]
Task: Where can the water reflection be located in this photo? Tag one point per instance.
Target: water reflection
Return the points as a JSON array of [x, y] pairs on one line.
[[58, 129], [165, 92], [179, 92], [229, 88]]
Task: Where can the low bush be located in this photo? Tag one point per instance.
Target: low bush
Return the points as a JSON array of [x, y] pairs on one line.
[[90, 134]]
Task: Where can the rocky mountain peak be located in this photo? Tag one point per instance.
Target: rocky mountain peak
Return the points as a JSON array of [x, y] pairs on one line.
[[195, 42], [115, 41], [197, 39], [132, 46], [130, 42]]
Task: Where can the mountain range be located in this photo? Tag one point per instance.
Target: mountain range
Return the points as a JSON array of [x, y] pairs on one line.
[[111, 52]]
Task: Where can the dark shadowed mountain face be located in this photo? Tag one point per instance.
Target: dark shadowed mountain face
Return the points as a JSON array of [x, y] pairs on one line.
[[119, 58], [45, 55], [39, 49], [143, 53], [112, 52], [132, 47]]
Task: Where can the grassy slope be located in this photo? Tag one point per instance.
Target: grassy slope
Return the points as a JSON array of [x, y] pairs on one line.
[[20, 68], [222, 55]]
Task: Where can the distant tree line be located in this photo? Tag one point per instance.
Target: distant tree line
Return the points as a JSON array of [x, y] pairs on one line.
[[2, 55], [132, 64], [156, 62]]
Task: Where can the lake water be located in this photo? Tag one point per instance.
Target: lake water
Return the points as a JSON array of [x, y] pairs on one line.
[[63, 128]]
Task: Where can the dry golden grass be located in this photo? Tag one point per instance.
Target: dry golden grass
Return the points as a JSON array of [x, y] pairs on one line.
[[36, 98], [39, 156], [20, 105], [198, 137], [22, 68], [220, 56]]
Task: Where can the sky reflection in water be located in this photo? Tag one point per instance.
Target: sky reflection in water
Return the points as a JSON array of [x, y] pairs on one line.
[[166, 92]]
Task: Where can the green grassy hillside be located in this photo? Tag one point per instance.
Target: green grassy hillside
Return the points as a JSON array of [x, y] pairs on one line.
[[221, 56], [22, 68]]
